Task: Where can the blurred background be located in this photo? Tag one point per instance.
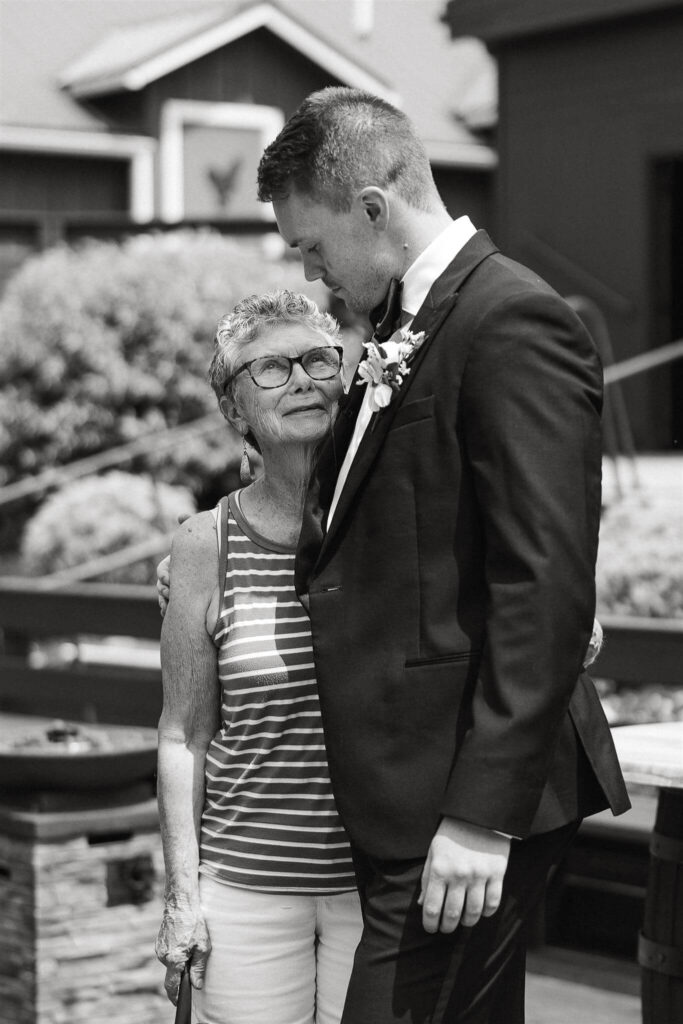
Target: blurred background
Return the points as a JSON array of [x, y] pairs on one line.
[[130, 133]]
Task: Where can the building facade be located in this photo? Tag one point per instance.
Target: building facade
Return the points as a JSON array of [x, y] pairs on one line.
[[122, 116], [590, 180]]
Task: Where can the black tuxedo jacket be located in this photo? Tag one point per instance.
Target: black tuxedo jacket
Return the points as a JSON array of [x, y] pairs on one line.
[[452, 597]]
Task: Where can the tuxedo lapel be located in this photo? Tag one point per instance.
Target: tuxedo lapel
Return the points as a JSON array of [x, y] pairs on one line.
[[440, 300]]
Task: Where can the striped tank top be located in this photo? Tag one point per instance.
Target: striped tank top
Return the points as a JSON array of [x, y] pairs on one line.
[[269, 820]]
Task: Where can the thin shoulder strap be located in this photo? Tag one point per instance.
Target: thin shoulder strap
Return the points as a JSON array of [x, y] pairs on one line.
[[222, 512]]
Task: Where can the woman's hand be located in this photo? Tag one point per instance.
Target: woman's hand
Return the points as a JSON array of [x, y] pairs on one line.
[[594, 644], [183, 934]]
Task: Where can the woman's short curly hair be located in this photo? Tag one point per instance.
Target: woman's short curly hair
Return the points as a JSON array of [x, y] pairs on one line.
[[256, 313]]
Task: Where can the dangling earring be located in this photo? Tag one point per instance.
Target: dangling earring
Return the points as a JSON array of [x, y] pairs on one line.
[[246, 472]]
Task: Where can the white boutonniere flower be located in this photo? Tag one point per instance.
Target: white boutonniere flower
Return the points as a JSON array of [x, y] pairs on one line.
[[386, 365]]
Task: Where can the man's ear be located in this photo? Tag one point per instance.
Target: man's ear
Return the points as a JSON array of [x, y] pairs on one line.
[[374, 204]]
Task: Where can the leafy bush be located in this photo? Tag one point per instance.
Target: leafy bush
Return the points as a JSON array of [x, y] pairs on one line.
[[101, 515], [640, 560], [102, 344], [633, 705], [640, 572]]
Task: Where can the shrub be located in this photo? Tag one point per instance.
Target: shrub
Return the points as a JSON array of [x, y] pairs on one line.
[[640, 572], [101, 515], [106, 342], [640, 560], [633, 705]]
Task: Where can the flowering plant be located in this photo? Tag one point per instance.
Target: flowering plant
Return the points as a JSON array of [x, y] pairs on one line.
[[386, 365]]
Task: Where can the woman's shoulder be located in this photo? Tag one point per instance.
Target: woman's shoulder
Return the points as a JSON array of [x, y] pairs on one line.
[[194, 547], [197, 529]]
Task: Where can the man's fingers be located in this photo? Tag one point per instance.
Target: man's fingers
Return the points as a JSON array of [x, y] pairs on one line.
[[474, 905], [424, 880], [164, 570], [432, 904], [164, 584], [446, 907], [451, 914], [494, 894]]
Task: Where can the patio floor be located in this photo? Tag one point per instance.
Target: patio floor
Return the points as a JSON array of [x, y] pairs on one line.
[[564, 987], [552, 1001]]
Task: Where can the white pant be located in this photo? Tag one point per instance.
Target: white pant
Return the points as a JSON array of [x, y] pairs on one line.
[[276, 959]]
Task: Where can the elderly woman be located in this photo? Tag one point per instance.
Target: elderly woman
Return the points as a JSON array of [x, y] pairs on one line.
[[260, 891]]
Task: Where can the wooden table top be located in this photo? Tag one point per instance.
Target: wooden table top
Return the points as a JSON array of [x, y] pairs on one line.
[[651, 754]]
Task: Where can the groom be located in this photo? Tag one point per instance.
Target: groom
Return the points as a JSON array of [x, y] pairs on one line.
[[448, 556]]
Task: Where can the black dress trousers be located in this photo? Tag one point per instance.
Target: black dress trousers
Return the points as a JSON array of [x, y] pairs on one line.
[[403, 974]]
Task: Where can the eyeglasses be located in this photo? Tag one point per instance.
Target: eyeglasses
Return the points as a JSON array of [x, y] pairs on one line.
[[274, 371]]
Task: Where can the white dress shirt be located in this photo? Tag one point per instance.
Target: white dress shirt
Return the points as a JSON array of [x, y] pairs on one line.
[[417, 280]]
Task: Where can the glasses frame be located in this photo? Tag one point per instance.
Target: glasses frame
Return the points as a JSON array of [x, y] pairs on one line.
[[292, 361]]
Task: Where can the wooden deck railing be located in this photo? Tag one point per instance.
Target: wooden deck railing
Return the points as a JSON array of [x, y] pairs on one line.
[[117, 694], [640, 650], [647, 651]]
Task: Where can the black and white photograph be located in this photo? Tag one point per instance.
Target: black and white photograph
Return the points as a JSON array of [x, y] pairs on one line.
[[341, 511]]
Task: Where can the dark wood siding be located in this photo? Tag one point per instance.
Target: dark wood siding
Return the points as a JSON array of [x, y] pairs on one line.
[[52, 183], [258, 68], [468, 192], [17, 242], [40, 192], [585, 119]]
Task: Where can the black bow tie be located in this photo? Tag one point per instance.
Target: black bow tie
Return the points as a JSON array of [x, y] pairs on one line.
[[386, 318]]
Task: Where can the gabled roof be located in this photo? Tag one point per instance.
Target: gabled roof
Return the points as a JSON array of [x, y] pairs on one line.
[[131, 58], [120, 51], [409, 55]]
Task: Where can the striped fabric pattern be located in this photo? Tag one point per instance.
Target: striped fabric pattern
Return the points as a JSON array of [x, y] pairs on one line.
[[269, 821]]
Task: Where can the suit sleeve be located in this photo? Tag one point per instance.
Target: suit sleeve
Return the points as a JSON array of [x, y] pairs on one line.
[[530, 402]]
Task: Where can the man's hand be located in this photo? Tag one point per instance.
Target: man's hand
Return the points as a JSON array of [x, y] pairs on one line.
[[164, 584], [463, 875], [164, 575], [183, 933]]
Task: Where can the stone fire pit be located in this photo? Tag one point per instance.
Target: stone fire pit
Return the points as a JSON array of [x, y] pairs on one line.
[[43, 754], [81, 874]]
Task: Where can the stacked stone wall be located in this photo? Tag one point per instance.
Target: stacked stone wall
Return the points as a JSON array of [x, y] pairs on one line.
[[80, 913]]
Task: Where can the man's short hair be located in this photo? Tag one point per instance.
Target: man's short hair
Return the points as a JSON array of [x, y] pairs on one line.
[[341, 140]]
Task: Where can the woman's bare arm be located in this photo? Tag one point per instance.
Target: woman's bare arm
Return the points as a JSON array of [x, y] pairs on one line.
[[189, 720]]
